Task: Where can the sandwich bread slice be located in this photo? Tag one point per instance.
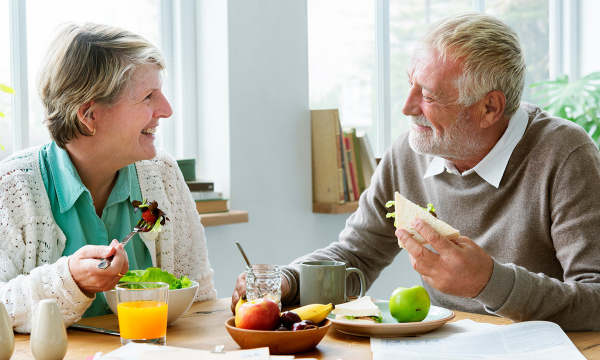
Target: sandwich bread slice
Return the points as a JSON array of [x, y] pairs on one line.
[[406, 211], [360, 310]]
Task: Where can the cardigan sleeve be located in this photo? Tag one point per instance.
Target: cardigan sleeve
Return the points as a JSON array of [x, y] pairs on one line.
[[190, 251]]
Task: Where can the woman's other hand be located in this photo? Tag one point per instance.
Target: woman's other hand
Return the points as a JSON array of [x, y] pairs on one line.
[[83, 266]]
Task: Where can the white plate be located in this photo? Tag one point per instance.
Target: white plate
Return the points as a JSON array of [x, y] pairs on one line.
[[437, 317]]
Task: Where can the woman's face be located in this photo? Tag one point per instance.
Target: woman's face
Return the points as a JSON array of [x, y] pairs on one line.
[[127, 128]]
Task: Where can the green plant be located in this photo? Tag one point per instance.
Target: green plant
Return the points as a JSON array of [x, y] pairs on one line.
[[578, 101], [9, 90]]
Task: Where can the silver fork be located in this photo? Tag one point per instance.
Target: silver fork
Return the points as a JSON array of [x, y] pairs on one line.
[[106, 262]]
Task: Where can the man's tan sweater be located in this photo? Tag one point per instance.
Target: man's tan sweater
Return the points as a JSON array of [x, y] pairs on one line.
[[541, 226]]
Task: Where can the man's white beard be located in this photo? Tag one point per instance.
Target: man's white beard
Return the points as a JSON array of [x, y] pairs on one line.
[[459, 142]]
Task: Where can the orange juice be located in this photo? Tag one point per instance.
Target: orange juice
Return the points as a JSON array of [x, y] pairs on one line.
[[142, 319]]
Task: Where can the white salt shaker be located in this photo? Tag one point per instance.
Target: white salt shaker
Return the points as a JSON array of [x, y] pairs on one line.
[[48, 334], [7, 337]]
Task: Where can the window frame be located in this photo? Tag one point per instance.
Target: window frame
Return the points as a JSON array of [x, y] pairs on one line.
[[177, 41], [563, 56]]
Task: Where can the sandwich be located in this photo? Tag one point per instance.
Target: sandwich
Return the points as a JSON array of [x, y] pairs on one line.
[[406, 211], [362, 310]]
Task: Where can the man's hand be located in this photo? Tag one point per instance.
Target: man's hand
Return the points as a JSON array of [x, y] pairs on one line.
[[240, 289], [83, 266], [460, 268]]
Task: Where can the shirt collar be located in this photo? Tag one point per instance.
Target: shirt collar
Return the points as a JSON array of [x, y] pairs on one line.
[[69, 186], [491, 168]]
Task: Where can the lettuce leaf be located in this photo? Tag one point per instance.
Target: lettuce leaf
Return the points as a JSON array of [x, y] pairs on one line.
[[378, 319], [157, 275]]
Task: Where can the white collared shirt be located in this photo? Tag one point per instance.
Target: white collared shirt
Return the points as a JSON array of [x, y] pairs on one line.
[[492, 166]]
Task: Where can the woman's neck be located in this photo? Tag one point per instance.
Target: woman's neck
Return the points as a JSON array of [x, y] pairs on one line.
[[98, 174]]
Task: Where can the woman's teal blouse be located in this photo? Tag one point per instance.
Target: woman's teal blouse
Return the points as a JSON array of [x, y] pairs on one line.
[[74, 212]]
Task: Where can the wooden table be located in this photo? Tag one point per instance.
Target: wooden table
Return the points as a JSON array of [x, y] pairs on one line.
[[202, 327]]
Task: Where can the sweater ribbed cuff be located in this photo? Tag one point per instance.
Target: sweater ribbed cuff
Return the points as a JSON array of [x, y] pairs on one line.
[[70, 285], [292, 276], [498, 288]]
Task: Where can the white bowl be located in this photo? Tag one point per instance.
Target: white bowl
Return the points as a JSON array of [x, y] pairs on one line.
[[179, 302]]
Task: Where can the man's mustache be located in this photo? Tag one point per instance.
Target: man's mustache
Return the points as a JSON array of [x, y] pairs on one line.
[[420, 120]]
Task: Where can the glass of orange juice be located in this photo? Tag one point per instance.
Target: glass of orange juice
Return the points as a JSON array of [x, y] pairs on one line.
[[142, 311]]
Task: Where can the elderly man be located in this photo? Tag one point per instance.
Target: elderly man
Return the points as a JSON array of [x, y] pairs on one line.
[[520, 184]]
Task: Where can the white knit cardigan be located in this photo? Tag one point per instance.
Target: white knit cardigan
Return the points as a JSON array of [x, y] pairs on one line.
[[31, 243]]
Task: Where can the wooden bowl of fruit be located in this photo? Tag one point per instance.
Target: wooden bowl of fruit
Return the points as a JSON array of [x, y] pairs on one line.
[[283, 333]]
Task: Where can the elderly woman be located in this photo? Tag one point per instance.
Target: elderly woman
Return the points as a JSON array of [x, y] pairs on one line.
[[63, 202]]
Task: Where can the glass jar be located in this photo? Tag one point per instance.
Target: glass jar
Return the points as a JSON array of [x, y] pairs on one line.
[[263, 281]]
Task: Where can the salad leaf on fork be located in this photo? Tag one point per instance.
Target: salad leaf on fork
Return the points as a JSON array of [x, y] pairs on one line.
[[153, 218]]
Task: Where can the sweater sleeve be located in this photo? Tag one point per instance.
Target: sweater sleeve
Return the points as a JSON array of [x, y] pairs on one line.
[[21, 293], [572, 302], [191, 254], [367, 242]]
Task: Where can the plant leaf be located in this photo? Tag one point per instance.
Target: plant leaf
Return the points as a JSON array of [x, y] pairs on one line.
[[7, 89]]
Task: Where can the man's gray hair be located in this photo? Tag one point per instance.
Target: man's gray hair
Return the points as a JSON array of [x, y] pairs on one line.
[[87, 63], [488, 51]]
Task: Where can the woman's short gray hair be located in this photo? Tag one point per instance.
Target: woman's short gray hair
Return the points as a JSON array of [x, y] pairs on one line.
[[489, 52], [87, 63]]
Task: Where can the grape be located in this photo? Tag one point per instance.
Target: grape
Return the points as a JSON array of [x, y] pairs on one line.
[[289, 318], [304, 325]]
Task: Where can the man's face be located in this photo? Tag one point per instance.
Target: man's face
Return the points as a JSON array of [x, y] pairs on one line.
[[440, 126]]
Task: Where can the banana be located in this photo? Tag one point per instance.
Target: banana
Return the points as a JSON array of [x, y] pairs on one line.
[[314, 312], [240, 302]]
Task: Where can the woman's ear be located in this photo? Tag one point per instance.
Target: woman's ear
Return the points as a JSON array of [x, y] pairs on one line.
[[85, 114], [494, 104]]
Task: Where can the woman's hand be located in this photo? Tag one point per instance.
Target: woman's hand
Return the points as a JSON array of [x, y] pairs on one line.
[[83, 266]]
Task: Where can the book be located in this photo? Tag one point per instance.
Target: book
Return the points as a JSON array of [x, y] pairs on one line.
[[354, 148], [327, 174], [207, 195], [366, 156], [200, 186], [344, 161], [351, 167], [209, 206]]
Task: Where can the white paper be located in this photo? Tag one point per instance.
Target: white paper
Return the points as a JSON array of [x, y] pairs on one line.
[[528, 340], [134, 351]]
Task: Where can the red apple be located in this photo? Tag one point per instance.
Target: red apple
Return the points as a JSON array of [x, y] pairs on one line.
[[260, 314]]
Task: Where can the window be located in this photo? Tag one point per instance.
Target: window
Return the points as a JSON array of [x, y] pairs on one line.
[[5, 99], [45, 17], [42, 19], [343, 58]]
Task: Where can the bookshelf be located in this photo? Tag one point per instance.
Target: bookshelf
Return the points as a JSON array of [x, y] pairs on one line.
[[224, 218], [330, 208], [343, 163]]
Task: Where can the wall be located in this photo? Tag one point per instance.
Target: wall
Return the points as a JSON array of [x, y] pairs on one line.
[[589, 45], [269, 139]]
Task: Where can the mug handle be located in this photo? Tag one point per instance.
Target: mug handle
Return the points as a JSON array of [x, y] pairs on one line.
[[361, 276]]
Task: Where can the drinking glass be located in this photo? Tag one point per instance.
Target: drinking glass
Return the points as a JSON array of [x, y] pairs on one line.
[[263, 281], [142, 309]]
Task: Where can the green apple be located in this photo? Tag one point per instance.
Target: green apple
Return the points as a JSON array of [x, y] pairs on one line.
[[410, 304]]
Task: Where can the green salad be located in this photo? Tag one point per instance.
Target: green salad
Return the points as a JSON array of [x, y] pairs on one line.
[[157, 275]]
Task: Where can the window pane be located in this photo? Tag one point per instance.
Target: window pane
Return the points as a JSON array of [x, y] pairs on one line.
[[341, 60], [530, 20], [408, 21], [44, 17], [5, 99]]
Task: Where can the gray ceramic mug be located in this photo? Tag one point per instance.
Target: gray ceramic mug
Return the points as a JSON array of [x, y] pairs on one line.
[[324, 282]]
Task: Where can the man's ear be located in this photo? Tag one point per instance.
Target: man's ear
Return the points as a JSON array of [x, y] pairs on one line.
[[492, 109], [85, 114]]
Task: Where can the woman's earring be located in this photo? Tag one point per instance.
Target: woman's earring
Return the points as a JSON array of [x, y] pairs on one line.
[[94, 133]]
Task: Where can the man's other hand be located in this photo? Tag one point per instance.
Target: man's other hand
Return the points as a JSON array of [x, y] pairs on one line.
[[460, 267], [240, 289]]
